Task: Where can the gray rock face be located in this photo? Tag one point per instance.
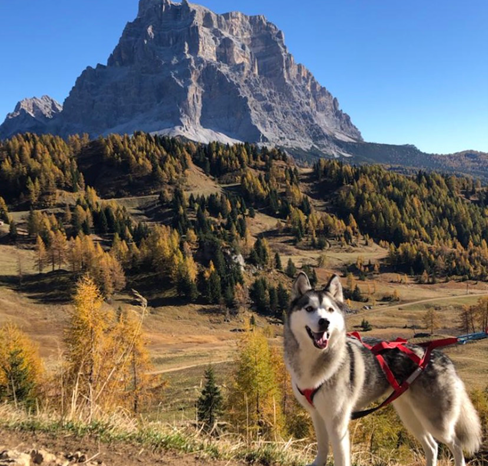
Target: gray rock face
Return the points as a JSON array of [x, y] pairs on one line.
[[30, 115], [180, 69]]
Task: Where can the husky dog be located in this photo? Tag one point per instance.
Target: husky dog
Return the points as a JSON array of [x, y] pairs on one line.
[[334, 375]]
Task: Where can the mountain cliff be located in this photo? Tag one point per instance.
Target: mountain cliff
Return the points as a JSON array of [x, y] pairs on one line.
[[180, 69], [30, 115]]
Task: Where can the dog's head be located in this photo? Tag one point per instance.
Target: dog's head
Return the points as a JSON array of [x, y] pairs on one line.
[[316, 316]]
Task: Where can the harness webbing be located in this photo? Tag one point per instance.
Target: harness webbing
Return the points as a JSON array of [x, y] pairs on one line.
[[309, 393], [421, 362], [398, 389]]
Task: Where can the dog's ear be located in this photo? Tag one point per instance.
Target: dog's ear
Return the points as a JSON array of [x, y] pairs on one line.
[[300, 286], [334, 288]]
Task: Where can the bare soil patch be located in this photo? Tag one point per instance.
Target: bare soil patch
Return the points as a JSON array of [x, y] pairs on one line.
[[114, 453]]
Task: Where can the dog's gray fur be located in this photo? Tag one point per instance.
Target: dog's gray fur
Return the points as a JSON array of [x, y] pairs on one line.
[[436, 406]]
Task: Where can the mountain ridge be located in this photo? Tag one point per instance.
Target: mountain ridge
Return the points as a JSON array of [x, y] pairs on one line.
[[180, 69]]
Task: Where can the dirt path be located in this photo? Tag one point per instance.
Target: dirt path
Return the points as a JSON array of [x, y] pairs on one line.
[[182, 368], [110, 454]]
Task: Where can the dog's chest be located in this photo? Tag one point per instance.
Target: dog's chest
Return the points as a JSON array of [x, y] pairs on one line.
[[310, 371]]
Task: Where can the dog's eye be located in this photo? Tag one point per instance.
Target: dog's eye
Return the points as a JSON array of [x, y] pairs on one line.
[[310, 309], [331, 309]]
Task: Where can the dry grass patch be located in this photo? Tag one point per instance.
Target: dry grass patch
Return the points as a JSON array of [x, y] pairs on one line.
[[43, 323], [197, 183], [10, 257]]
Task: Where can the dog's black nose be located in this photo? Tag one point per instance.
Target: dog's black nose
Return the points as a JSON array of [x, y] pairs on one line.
[[323, 324]]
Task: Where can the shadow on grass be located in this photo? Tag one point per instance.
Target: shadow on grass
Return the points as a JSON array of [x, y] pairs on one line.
[[158, 292], [46, 288], [161, 301], [211, 310]]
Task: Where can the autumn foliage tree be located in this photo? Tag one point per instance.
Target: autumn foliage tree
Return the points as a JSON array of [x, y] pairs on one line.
[[106, 361], [3, 210], [41, 254], [431, 320], [254, 400], [130, 345], [84, 256], [87, 344], [475, 317], [296, 421], [21, 368]]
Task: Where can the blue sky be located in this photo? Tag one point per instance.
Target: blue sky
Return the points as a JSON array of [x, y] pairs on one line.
[[407, 72]]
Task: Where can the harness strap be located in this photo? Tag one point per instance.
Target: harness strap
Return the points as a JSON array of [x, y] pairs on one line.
[[389, 374], [398, 344], [309, 393], [439, 343], [421, 362]]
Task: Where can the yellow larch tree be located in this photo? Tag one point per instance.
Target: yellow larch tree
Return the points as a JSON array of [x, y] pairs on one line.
[[21, 369], [254, 403], [86, 342], [136, 368], [107, 363], [41, 254]]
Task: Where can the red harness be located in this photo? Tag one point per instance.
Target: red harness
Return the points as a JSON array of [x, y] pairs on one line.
[[377, 350], [309, 393]]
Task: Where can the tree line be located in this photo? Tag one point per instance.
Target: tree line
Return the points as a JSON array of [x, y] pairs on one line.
[[432, 223]]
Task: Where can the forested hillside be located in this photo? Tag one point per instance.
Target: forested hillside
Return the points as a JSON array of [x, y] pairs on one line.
[[211, 236], [434, 225], [408, 158]]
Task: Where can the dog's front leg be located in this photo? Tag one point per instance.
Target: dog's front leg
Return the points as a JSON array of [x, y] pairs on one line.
[[322, 439], [339, 438]]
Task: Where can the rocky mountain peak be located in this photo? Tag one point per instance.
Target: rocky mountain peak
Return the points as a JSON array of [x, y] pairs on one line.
[[155, 8], [181, 69], [40, 108], [149, 6], [30, 115]]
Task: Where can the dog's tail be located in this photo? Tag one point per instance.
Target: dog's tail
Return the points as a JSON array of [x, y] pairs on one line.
[[468, 426]]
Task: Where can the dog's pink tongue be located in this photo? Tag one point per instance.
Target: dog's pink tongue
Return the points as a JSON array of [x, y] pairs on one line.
[[322, 341]]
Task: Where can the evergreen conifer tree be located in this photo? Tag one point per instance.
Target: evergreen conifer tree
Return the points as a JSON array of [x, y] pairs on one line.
[[366, 326], [13, 231], [278, 264], [214, 288], [356, 294], [259, 294], [313, 278], [273, 300], [283, 297], [209, 405], [291, 269]]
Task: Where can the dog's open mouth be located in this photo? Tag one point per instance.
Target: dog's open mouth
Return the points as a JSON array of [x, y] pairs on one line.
[[320, 340]]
